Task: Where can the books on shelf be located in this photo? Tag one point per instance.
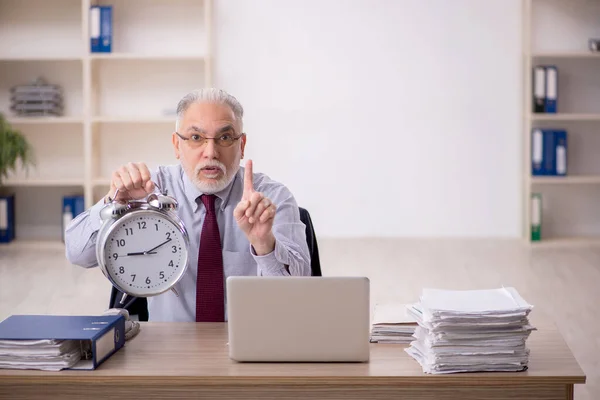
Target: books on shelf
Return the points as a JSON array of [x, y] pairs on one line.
[[545, 89], [38, 98], [548, 152], [7, 218], [392, 323], [101, 28], [471, 331], [536, 217]]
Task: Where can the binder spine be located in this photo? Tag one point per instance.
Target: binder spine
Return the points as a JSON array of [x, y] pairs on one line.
[[7, 219], [108, 343], [551, 89], [560, 149], [536, 217], [539, 89], [549, 163], [101, 29], [95, 29], [537, 152], [106, 29]]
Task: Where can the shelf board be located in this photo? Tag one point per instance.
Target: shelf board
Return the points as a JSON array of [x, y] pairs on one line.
[[566, 180], [44, 182], [36, 245], [44, 58], [44, 120], [575, 241], [135, 120], [101, 182], [565, 117], [567, 54], [134, 56]]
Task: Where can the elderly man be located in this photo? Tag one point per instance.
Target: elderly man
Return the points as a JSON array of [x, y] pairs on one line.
[[256, 219]]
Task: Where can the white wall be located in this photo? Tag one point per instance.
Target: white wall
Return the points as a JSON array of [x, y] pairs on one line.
[[384, 117]]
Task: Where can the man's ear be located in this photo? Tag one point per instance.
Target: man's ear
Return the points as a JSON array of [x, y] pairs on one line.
[[175, 141], [243, 139]]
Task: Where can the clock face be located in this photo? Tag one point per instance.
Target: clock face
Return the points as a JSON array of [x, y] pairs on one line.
[[145, 253]]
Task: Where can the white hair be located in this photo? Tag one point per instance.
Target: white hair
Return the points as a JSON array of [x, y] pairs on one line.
[[210, 95]]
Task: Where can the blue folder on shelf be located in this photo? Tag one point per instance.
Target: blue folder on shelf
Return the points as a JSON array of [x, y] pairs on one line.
[[101, 28], [548, 152], [7, 218], [99, 337]]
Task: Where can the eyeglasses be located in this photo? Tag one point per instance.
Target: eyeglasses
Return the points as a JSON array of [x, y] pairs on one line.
[[225, 140]]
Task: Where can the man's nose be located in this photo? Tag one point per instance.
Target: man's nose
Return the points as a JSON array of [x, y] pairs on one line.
[[210, 149]]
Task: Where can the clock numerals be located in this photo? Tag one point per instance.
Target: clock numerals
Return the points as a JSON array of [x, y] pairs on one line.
[[130, 251]]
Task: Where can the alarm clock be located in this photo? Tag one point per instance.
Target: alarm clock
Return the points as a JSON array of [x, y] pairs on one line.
[[142, 246]]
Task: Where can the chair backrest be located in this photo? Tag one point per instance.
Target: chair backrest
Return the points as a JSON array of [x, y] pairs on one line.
[[139, 306], [135, 305], [311, 240]]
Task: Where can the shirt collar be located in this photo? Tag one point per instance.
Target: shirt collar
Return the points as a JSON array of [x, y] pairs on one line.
[[192, 193]]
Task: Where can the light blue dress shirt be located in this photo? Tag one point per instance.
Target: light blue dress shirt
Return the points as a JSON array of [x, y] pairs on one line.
[[290, 257]]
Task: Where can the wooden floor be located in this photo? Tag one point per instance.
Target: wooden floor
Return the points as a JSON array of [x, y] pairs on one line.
[[563, 283]]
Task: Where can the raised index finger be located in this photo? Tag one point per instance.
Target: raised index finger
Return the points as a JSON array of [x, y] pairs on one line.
[[248, 182]]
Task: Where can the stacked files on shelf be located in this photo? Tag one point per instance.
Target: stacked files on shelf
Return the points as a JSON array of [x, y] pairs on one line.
[[471, 330], [37, 99], [392, 323]]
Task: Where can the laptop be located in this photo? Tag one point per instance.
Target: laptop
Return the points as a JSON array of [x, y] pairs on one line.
[[298, 319]]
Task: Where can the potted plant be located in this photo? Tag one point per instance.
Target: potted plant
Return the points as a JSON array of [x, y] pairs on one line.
[[15, 153]]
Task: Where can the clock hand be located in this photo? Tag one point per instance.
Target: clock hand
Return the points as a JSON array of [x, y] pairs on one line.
[[139, 253], [154, 248]]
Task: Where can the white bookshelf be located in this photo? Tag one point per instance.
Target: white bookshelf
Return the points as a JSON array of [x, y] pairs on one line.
[[144, 57], [20, 121], [118, 106], [556, 32], [572, 55], [566, 180], [133, 120], [565, 117]]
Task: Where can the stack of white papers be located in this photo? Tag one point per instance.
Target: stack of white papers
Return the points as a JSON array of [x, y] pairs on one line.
[[392, 323], [473, 330], [46, 355]]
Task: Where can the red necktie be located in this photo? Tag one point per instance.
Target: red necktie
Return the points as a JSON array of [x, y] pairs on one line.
[[210, 296]]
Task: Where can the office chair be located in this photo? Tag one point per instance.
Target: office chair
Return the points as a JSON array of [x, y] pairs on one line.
[[311, 240], [139, 305]]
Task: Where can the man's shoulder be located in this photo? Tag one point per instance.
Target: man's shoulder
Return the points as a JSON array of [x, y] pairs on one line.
[[168, 175], [169, 170]]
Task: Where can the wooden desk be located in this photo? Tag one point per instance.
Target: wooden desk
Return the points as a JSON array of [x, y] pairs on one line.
[[189, 360]]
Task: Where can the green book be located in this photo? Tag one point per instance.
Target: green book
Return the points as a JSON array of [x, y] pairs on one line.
[[536, 217]]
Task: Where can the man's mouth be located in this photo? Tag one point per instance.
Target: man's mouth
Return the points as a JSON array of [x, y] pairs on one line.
[[211, 171]]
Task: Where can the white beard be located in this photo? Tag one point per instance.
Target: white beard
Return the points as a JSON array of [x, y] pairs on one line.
[[228, 173]]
